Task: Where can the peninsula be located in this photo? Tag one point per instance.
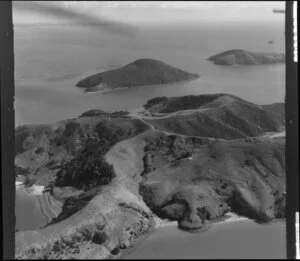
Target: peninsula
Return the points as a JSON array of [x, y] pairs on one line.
[[116, 174]]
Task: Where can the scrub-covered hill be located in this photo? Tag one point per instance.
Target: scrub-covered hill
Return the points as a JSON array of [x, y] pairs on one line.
[[194, 181], [243, 57], [213, 115], [114, 173], [138, 73]]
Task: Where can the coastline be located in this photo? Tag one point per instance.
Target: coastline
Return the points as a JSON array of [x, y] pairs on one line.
[[104, 90], [160, 223], [35, 190], [46, 205], [228, 219]]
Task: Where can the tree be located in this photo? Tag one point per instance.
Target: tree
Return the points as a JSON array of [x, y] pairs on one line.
[[88, 169]]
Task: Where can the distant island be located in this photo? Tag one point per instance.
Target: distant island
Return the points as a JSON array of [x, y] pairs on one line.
[[138, 73], [243, 57]]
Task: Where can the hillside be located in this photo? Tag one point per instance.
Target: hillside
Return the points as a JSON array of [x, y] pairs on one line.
[[59, 149], [195, 182], [115, 173], [277, 110], [213, 115], [138, 73], [192, 181], [173, 104], [243, 57]]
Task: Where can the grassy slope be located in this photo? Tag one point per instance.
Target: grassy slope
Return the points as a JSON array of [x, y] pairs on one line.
[[112, 220], [45, 149], [223, 116], [140, 72], [277, 110], [173, 104], [95, 223], [221, 175], [246, 176]]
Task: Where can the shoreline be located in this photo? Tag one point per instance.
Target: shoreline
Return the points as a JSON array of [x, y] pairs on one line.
[[229, 217], [47, 206], [233, 218], [160, 223], [34, 190], [105, 90]]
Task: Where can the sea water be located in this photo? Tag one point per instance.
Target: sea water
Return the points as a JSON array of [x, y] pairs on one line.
[[242, 239], [50, 60]]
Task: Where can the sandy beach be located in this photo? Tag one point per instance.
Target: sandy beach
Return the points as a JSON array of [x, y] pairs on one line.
[[33, 207]]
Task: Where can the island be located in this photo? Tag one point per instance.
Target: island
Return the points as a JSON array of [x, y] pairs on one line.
[[243, 57], [138, 73], [113, 177]]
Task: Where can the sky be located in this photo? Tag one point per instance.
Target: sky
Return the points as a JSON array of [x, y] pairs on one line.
[[149, 12]]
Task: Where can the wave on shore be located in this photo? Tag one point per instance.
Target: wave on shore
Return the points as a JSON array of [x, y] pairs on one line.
[[32, 190], [232, 217], [229, 217]]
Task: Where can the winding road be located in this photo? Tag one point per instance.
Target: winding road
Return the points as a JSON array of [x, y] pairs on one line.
[[137, 115]]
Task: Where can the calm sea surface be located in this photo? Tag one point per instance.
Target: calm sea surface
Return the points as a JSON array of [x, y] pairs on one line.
[[28, 214], [51, 59], [229, 240]]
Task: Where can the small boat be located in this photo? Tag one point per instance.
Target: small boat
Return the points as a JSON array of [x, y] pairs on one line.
[[270, 42]]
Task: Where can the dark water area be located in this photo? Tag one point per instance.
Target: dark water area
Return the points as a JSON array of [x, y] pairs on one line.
[[27, 211], [51, 60], [230, 240]]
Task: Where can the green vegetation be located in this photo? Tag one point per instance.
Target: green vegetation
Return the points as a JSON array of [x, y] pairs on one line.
[[247, 178], [68, 244], [219, 116], [172, 104], [73, 204], [139, 73], [155, 101], [87, 169], [70, 137], [21, 171], [72, 152], [244, 57], [100, 113], [184, 178], [276, 110], [29, 181]]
